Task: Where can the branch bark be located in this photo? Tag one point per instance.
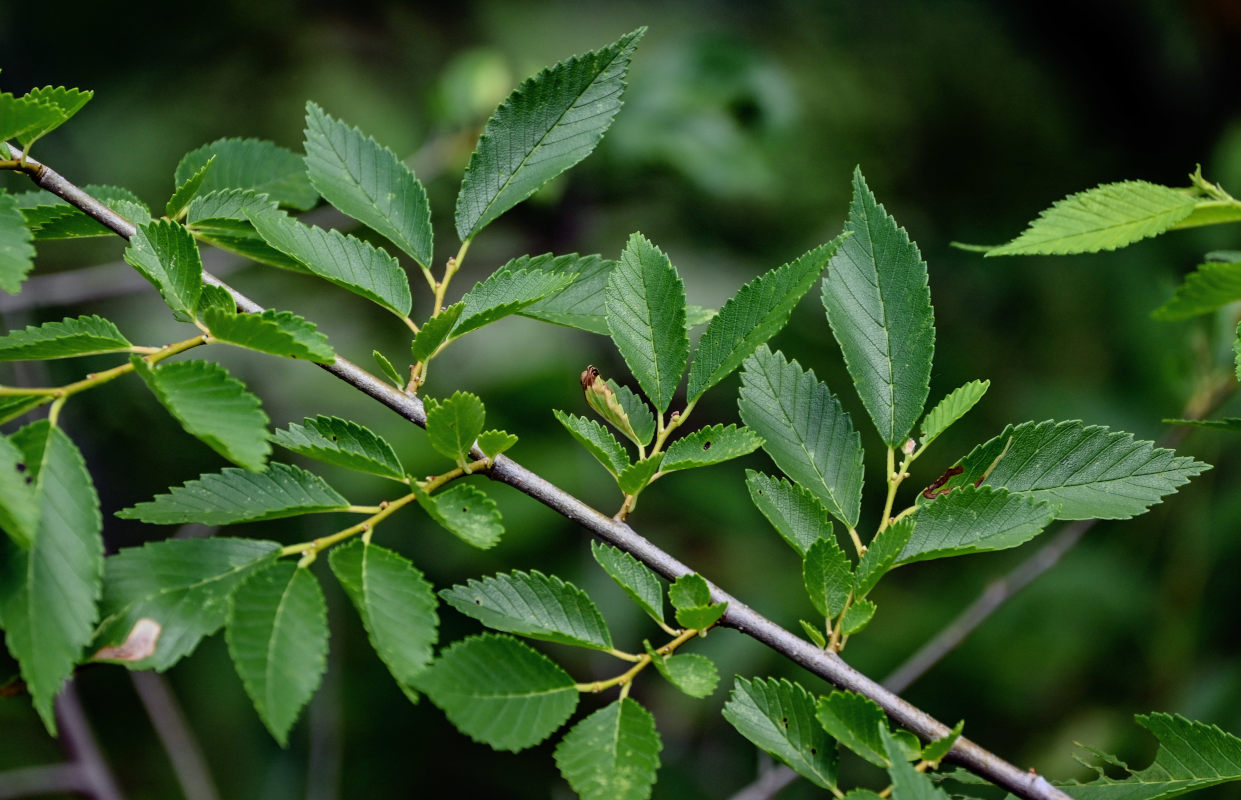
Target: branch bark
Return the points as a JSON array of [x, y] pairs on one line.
[[739, 616]]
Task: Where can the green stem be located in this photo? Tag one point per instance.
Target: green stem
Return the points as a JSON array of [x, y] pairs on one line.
[[308, 550], [454, 264], [98, 378], [643, 661]]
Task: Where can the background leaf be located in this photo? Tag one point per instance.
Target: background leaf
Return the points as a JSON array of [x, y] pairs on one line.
[[48, 594], [613, 754], [549, 123], [221, 218], [778, 717], [167, 256], [236, 495], [278, 637], [368, 182], [1213, 285], [794, 511], [182, 584], [1084, 471], [582, 304], [254, 164], [710, 445], [19, 499], [16, 251], [346, 444], [879, 306], [499, 691], [533, 605], [213, 406], [280, 333], [804, 430], [635, 578], [955, 405], [1106, 217], [646, 316], [50, 217], [975, 520], [396, 604], [752, 316], [80, 336]]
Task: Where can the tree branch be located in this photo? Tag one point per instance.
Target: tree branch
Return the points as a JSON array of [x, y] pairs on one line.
[[739, 616]]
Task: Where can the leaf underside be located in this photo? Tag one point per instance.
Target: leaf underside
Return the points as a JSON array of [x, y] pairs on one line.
[[778, 717]]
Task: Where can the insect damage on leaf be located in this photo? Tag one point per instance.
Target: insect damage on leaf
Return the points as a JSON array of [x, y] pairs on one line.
[[139, 644], [604, 401]]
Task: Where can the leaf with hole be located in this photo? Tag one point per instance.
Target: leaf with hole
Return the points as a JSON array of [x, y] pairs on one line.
[[396, 604], [778, 716], [879, 306], [368, 182], [237, 495], [533, 605], [613, 754], [344, 443], [710, 445], [183, 585], [277, 636], [804, 430], [72, 336], [499, 691], [212, 405], [549, 123]]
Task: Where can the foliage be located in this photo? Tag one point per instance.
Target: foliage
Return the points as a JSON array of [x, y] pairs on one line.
[[61, 600]]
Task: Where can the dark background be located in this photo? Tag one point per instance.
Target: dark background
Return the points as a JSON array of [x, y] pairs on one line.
[[733, 152]]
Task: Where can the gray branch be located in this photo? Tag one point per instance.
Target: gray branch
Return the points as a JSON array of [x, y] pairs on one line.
[[829, 666]]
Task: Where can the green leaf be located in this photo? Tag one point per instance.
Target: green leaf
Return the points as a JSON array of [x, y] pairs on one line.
[[691, 673], [597, 441], [710, 445], [280, 333], [613, 754], [236, 495], [388, 370], [16, 251], [879, 306], [534, 605], [19, 500], [581, 305], [814, 633], [795, 513], [975, 520], [167, 256], [881, 555], [215, 298], [752, 316], [804, 430], [1109, 216], [368, 182], [343, 443], [435, 331], [277, 635], [339, 258], [396, 604], [465, 512], [1210, 287], [182, 584], [1232, 424], [635, 477], [936, 750], [220, 218], [778, 717], [857, 617], [549, 123], [493, 442], [646, 315], [186, 191], [828, 576], [50, 217], [24, 118], [1085, 471], [907, 782], [499, 691], [504, 293], [81, 336], [260, 166], [855, 721], [48, 594], [213, 406], [955, 405], [635, 578], [1192, 756], [13, 406], [454, 424], [691, 598]]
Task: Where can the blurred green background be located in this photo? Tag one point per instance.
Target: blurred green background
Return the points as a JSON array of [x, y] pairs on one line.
[[733, 152]]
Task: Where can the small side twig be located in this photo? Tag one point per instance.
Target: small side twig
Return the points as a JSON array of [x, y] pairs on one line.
[[188, 764]]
